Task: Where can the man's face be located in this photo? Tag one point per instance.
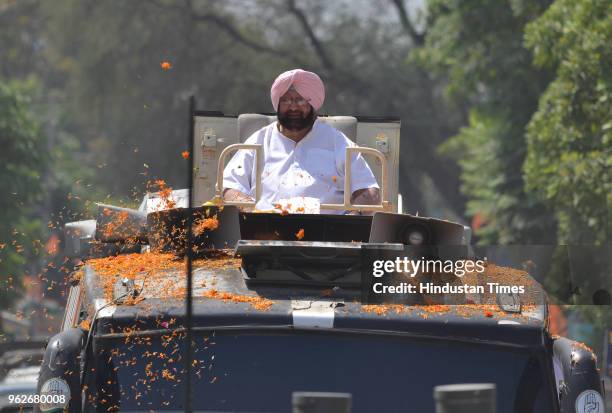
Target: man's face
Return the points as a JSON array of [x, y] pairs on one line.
[[294, 112]]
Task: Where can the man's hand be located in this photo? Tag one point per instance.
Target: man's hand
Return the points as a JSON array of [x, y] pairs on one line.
[[236, 196]]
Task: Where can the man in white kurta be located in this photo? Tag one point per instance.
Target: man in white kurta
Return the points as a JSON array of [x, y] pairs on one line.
[[312, 167], [303, 157]]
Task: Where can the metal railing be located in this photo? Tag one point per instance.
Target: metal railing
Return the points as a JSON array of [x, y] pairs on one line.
[[384, 205], [221, 166], [347, 206]]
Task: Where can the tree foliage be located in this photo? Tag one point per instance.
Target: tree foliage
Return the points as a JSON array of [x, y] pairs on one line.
[[569, 161], [477, 46], [45, 181], [22, 165], [569, 158]]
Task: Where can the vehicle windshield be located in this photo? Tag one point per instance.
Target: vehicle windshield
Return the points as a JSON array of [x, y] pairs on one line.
[[256, 372]]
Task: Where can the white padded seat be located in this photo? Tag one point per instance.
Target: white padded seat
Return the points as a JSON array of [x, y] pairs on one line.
[[249, 123], [345, 124]]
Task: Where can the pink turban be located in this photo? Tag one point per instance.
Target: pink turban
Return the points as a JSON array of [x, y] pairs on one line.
[[308, 84]]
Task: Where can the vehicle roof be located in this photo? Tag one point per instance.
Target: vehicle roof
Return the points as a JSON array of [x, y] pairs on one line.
[[223, 300]]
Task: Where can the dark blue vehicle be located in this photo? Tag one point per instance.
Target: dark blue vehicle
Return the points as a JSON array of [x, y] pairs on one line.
[[287, 316]]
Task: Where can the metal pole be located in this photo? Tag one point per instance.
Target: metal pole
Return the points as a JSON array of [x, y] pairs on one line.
[[189, 269], [465, 398]]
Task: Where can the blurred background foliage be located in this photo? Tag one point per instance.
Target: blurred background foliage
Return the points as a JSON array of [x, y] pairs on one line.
[[505, 104], [569, 138], [21, 172], [478, 46]]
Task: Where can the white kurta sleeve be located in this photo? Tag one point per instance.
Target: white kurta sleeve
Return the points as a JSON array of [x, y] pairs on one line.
[[361, 174], [238, 173]]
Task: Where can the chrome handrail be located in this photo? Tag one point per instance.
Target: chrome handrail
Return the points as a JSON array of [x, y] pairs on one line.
[[347, 206], [221, 166]]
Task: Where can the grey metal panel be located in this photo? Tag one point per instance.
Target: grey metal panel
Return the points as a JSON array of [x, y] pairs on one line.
[[73, 306], [77, 234], [385, 137], [211, 135]]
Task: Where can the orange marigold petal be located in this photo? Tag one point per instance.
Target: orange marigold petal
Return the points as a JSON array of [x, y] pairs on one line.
[[300, 234]]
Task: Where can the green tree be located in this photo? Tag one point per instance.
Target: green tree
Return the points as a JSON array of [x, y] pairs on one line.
[[62, 183], [22, 167], [477, 47], [569, 158]]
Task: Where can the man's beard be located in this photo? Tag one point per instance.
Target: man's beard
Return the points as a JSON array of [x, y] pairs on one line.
[[296, 123]]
